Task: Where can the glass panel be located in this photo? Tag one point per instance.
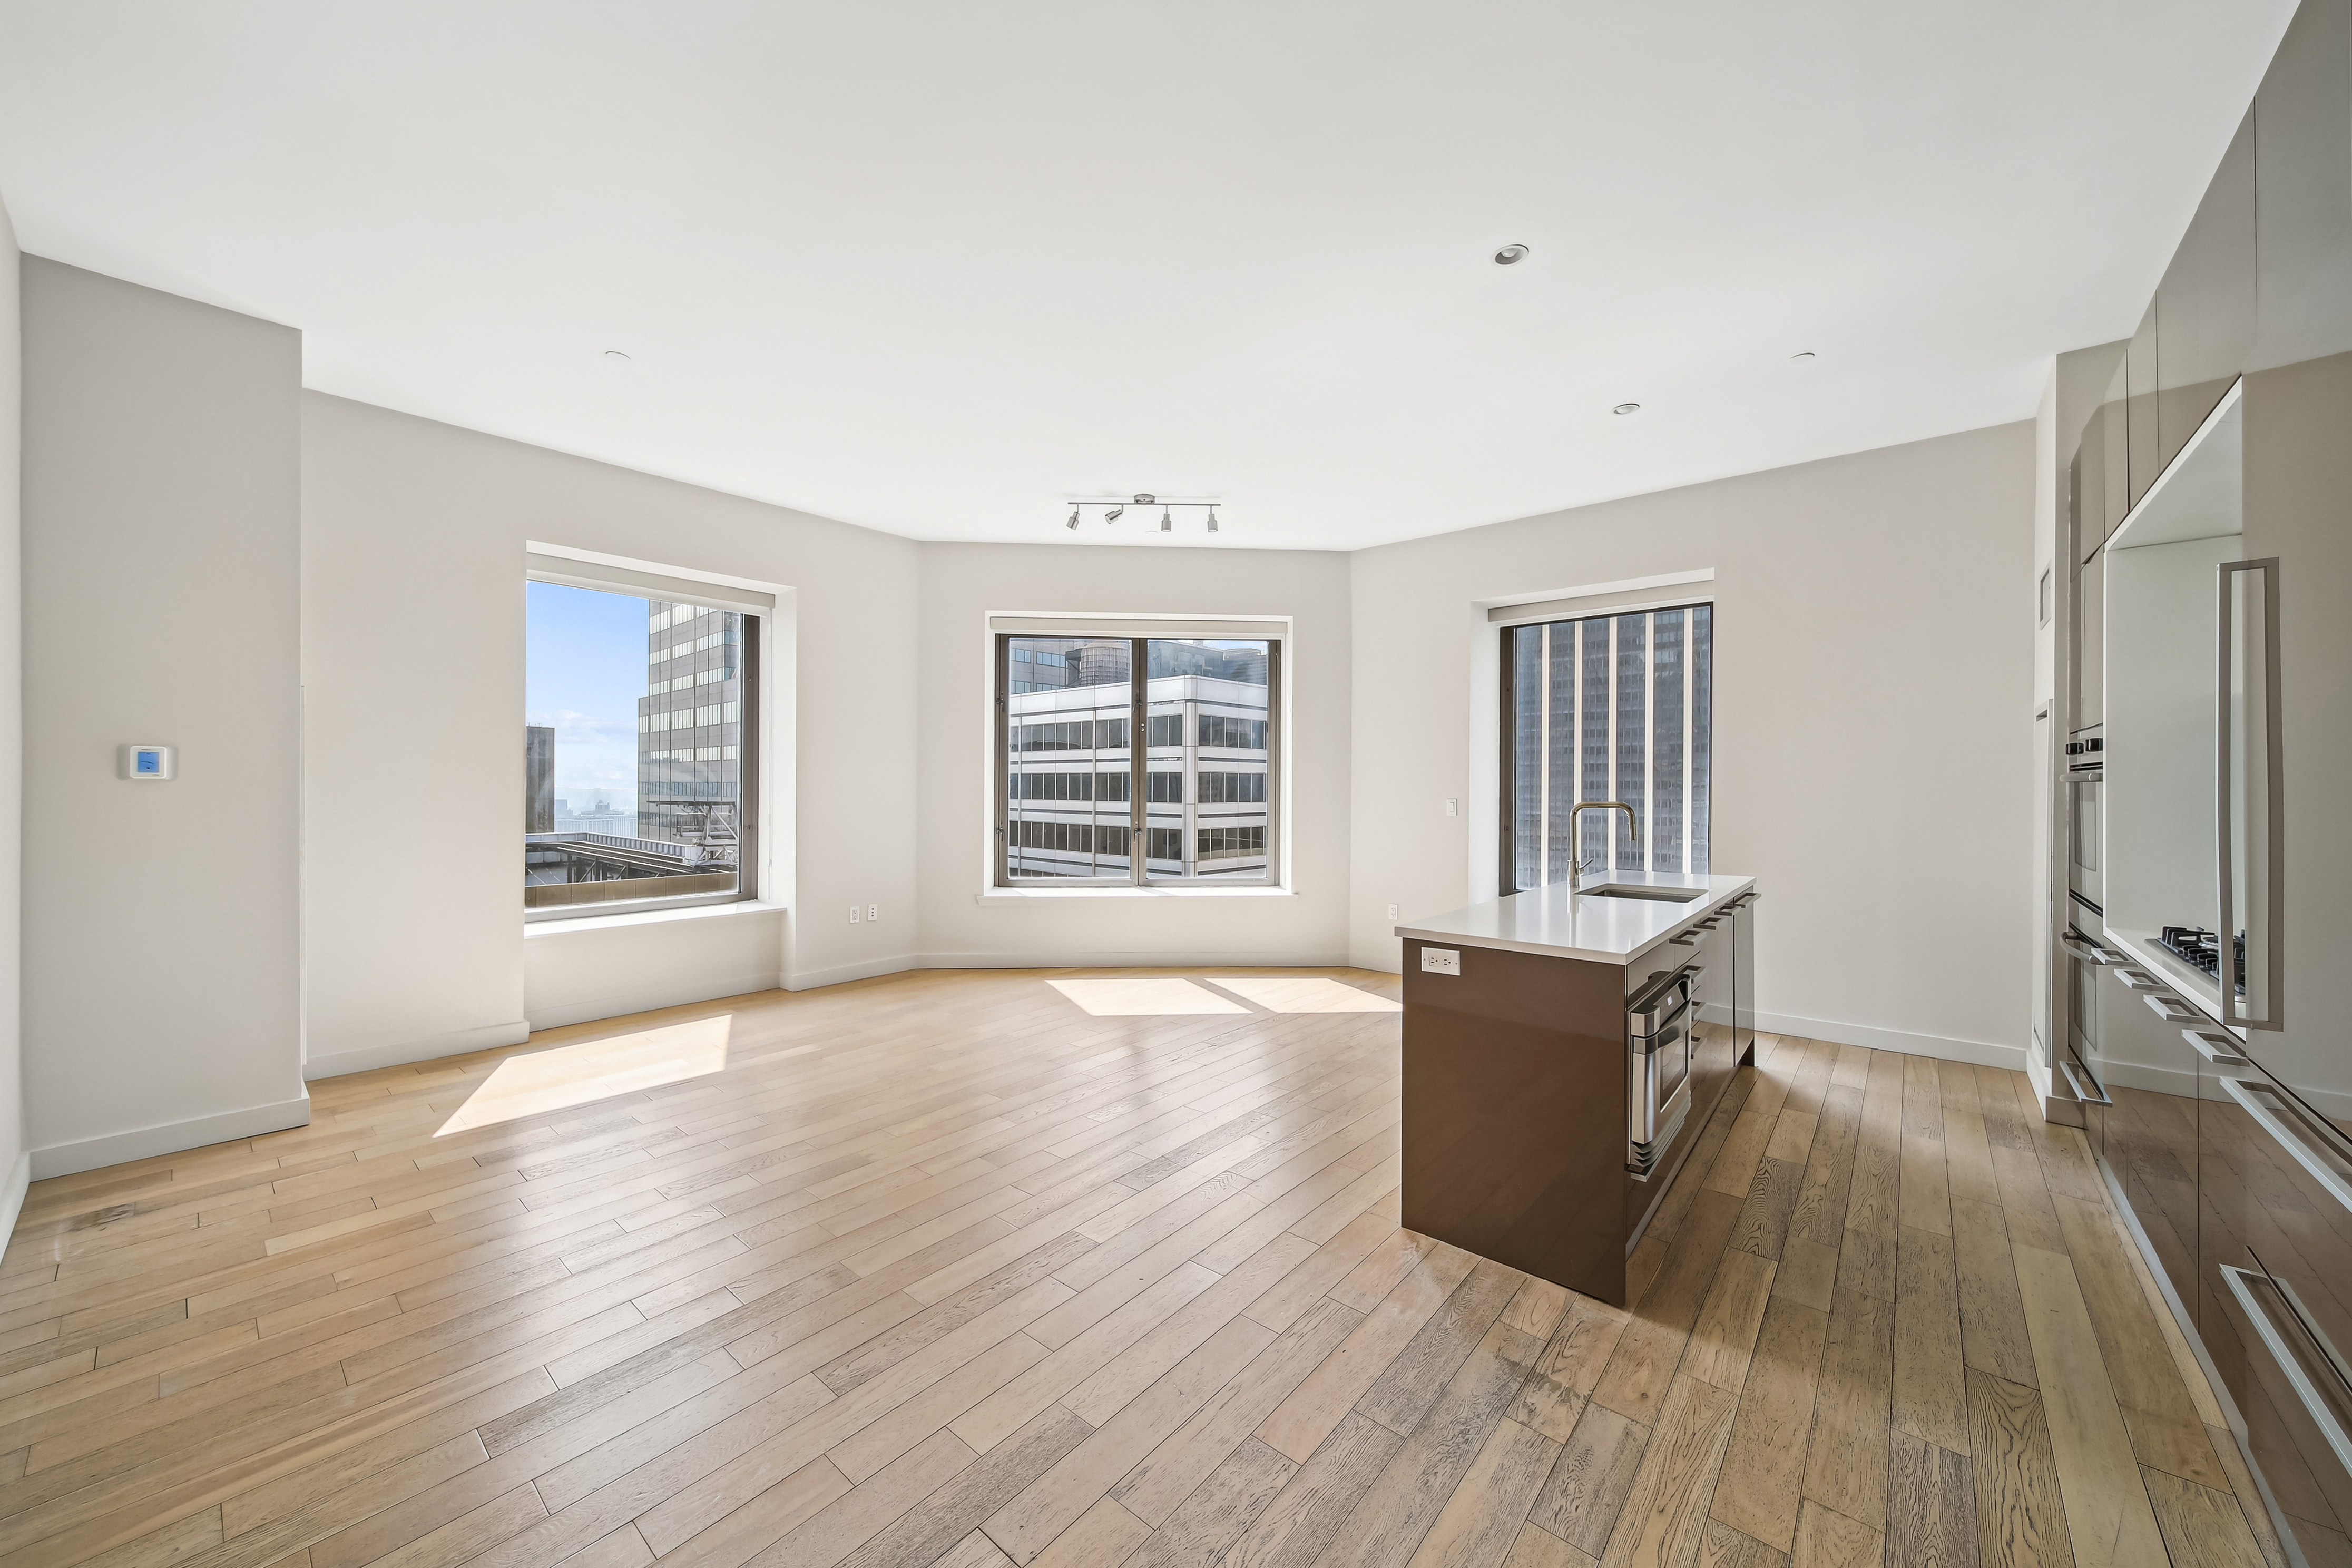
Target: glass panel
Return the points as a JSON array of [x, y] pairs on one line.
[[1526, 753], [1559, 754], [1611, 707], [1067, 761], [1592, 834], [1664, 840], [1701, 744], [1632, 740], [1207, 763], [637, 738]]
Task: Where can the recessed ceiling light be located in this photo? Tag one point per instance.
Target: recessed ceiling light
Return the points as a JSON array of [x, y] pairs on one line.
[[1800, 358], [1510, 254], [617, 355], [1627, 408]]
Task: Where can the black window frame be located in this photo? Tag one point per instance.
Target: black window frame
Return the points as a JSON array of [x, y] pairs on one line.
[[1139, 722], [749, 672]]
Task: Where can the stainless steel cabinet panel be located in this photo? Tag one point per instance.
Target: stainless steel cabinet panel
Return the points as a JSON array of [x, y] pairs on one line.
[[2205, 306], [2274, 1282], [2302, 191], [2139, 407]]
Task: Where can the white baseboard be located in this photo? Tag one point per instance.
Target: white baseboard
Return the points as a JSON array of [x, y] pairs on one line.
[[644, 998], [810, 979], [171, 1138], [11, 1199], [1979, 1052], [431, 1048]]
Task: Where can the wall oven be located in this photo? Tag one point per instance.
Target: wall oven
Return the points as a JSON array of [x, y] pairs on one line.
[[1659, 1021]]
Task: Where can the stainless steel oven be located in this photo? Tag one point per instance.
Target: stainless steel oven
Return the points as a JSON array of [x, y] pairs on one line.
[[1659, 1020]]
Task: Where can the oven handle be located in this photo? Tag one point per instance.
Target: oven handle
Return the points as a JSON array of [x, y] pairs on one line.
[[2090, 1095]]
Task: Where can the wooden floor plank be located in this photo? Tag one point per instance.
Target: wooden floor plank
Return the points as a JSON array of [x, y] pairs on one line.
[[2108, 1517]]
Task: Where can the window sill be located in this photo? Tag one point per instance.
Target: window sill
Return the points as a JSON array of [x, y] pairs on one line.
[[534, 929], [1010, 896]]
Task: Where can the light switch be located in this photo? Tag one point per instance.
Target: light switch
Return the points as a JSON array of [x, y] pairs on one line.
[[854, 914], [1442, 960], [144, 761], [1393, 911], [1452, 806]]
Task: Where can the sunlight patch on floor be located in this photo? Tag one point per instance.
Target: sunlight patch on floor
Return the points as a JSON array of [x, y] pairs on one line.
[[1143, 999], [567, 1076], [1303, 993]]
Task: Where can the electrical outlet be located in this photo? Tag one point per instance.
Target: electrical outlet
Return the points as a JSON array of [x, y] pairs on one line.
[[1442, 960], [1452, 806], [873, 911], [854, 914], [1393, 911]]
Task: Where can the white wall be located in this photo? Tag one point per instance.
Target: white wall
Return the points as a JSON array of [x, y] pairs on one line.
[[963, 584], [15, 1162], [414, 535], [160, 580], [1874, 713]]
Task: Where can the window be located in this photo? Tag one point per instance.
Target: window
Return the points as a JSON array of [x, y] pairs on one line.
[[1608, 708], [1077, 799], [640, 788]]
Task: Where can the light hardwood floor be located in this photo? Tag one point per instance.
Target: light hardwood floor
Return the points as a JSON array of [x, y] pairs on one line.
[[942, 1269]]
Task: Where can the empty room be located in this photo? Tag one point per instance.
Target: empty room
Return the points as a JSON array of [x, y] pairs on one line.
[[1129, 785]]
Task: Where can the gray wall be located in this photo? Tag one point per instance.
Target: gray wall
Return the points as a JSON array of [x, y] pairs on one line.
[[962, 584], [14, 1163], [162, 542], [1873, 711], [413, 641]]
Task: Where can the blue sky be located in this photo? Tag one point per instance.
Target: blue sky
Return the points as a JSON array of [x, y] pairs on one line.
[[585, 669]]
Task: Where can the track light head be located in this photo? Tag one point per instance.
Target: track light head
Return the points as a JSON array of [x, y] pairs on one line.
[[1074, 519], [1213, 520], [1167, 524], [1114, 514]]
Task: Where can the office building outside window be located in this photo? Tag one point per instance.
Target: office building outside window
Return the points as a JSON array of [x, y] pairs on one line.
[[1197, 797], [641, 751], [1608, 708]]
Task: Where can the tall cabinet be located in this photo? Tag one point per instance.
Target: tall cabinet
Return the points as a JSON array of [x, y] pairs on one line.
[[2202, 800]]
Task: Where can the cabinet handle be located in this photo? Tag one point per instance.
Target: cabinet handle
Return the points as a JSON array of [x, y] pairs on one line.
[[2319, 1149], [2219, 1049], [2273, 1335], [2093, 1095], [2089, 952], [2138, 980], [2173, 1010], [2250, 848]]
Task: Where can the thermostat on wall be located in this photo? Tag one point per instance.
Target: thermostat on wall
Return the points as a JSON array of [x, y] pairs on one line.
[[144, 761]]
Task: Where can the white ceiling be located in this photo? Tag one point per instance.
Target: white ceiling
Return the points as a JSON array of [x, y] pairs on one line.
[[937, 268]]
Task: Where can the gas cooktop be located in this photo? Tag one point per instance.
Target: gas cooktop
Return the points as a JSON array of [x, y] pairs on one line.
[[2201, 948]]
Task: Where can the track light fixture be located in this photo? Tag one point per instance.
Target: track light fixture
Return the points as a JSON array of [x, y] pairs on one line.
[[1114, 508]]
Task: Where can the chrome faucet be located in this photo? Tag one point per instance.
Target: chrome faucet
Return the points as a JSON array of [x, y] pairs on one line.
[[1575, 858]]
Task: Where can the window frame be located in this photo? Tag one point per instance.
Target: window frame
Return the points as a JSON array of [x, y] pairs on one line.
[[1507, 796], [750, 749], [1139, 769]]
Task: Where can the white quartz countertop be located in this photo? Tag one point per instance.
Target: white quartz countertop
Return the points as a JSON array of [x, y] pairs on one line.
[[1584, 925]]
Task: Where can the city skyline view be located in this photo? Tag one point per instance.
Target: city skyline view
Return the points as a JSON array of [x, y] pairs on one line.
[[584, 670]]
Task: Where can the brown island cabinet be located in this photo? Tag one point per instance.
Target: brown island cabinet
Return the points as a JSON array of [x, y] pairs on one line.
[[1562, 1049]]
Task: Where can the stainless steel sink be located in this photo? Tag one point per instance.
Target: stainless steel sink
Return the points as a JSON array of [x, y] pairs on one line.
[[1655, 895]]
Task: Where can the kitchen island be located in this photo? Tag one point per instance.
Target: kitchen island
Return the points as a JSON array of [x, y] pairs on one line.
[[1562, 1049]]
